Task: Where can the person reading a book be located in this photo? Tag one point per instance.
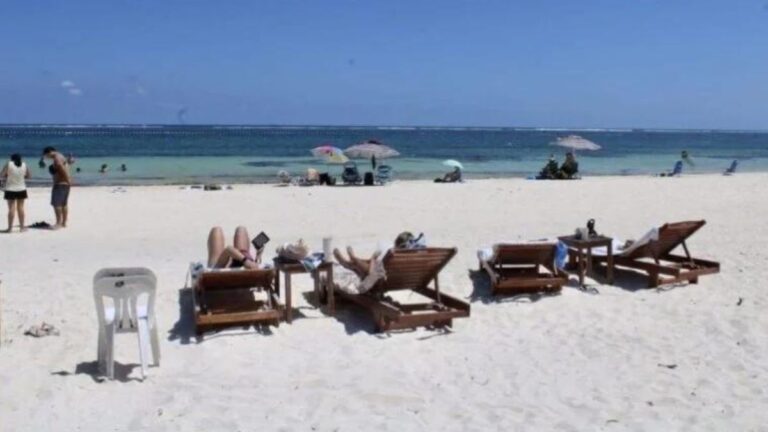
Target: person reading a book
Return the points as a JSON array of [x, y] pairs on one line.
[[235, 256]]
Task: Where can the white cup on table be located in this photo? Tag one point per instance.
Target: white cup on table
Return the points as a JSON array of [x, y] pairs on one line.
[[327, 249]]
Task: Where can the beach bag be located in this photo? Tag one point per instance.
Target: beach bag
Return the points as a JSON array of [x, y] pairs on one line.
[[293, 251]]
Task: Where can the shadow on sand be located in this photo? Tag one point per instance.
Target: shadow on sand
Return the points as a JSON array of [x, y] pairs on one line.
[[183, 329], [122, 372], [356, 320], [481, 291]]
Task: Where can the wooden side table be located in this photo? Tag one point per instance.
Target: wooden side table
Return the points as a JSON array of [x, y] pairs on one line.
[[290, 269], [582, 249]]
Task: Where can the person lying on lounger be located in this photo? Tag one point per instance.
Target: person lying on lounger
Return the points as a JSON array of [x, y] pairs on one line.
[[235, 256], [363, 267]]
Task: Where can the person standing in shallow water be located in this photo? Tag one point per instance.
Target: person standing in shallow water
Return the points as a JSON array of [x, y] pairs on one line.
[[62, 182], [15, 173]]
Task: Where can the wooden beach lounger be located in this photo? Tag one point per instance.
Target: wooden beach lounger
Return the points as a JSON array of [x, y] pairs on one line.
[[524, 268], [411, 270], [226, 299], [656, 259]]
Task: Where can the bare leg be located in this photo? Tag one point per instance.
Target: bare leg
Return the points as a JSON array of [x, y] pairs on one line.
[[20, 211], [215, 246], [241, 241], [347, 264], [11, 213], [358, 266], [59, 217], [361, 264], [64, 214]]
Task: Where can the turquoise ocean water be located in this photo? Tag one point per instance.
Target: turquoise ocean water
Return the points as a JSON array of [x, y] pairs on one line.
[[157, 154]]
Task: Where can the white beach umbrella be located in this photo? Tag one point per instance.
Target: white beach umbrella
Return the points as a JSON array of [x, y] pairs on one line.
[[371, 149], [453, 164], [576, 142]]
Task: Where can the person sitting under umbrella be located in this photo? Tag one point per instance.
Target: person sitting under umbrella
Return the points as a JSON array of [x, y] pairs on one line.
[[451, 177], [550, 170], [569, 168]]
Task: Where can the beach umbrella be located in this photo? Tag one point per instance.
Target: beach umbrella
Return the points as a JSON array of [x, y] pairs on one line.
[[371, 149], [330, 154], [453, 164], [576, 142]]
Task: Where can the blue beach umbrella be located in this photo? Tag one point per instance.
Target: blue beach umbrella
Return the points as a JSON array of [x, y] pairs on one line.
[[453, 164]]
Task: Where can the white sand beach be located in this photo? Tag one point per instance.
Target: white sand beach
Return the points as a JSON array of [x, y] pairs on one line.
[[692, 357]]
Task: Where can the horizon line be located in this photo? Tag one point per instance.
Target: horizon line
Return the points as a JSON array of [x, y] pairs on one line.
[[375, 126]]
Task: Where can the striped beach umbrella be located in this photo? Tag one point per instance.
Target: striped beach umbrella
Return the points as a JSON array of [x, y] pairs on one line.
[[329, 154]]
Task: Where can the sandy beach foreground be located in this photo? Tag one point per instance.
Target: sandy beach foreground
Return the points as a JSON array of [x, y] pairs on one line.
[[687, 358]]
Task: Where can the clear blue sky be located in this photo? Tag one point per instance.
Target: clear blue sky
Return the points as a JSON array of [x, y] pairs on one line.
[[611, 63]]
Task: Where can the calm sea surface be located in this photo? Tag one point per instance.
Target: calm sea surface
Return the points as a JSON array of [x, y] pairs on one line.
[[185, 154]]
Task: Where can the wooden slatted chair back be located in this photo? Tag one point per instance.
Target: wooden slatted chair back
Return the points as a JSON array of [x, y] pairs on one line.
[[236, 279], [542, 254], [413, 269], [671, 235]]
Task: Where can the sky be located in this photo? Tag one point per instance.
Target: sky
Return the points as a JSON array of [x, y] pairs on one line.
[[548, 63]]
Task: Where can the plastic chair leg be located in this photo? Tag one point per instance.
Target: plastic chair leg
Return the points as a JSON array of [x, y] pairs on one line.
[[110, 350], [100, 349], [155, 345], [143, 333]]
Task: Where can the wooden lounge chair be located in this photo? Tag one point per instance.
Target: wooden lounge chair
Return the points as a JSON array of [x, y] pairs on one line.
[[410, 270], [656, 259], [523, 269], [226, 298]]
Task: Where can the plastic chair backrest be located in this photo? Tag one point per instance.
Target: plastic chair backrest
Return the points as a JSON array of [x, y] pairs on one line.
[[383, 173], [732, 168], [124, 271], [124, 287], [350, 173]]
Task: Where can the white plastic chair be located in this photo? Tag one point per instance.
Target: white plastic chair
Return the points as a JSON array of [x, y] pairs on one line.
[[131, 310]]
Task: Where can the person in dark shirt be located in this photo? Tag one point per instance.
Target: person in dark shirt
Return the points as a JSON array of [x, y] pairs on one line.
[[549, 171], [569, 168]]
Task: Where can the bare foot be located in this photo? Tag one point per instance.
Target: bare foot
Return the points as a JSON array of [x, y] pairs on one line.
[[56, 227], [23, 229]]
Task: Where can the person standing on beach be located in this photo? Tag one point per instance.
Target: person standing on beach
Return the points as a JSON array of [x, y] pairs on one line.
[[15, 174], [62, 182]]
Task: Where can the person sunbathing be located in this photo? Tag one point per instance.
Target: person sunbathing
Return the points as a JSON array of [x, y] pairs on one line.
[[363, 267], [235, 256]]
